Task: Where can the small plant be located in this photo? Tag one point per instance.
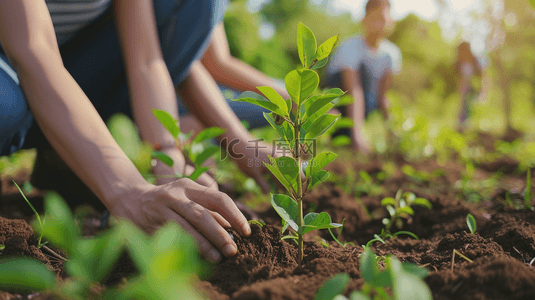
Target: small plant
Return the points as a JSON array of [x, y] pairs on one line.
[[459, 254], [337, 239], [192, 147], [400, 281], [400, 208], [471, 221], [366, 186], [309, 121], [41, 222], [167, 261]]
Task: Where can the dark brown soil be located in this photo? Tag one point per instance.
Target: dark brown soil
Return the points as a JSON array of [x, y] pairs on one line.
[[502, 250]]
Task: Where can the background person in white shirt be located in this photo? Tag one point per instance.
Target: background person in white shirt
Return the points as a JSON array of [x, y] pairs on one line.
[[363, 66]]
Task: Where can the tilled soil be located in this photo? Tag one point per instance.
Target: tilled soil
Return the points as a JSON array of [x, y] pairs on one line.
[[502, 249]]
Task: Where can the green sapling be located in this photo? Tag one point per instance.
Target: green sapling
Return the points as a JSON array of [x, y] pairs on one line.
[[189, 145], [309, 121], [400, 208], [471, 221], [41, 222]]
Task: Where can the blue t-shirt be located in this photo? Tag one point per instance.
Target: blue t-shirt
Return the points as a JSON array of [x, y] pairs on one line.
[[353, 53]]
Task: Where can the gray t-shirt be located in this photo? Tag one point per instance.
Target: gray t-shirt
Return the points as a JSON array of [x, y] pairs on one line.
[[353, 53], [70, 16]]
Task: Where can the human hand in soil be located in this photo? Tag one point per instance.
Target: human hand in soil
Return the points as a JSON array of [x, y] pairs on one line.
[[202, 212], [165, 174]]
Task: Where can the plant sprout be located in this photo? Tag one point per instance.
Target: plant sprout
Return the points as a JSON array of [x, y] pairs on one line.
[[41, 223], [405, 280], [400, 208], [191, 147], [471, 221], [309, 121]]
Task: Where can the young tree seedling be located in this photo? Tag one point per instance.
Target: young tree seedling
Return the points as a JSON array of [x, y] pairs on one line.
[[309, 121], [187, 144], [404, 280], [400, 208], [471, 221], [41, 223]]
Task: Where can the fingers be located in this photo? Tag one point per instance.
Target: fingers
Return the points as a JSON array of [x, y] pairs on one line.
[[220, 203], [205, 247], [224, 223]]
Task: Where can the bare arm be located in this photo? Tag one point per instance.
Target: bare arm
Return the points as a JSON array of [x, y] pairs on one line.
[[384, 86], [60, 107], [351, 83], [78, 134], [232, 72]]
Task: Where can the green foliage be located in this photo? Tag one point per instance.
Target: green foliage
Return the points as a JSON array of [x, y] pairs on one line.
[[399, 208], [333, 287], [309, 121], [41, 223], [168, 261], [404, 280], [193, 148], [471, 221]]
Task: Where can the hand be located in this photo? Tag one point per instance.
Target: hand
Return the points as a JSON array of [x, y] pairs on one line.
[[202, 212], [165, 174]]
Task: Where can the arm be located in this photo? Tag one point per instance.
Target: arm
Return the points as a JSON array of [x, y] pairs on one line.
[[63, 112], [149, 82], [232, 72], [351, 82], [76, 131], [384, 86]]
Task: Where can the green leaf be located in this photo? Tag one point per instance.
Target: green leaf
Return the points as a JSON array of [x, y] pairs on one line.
[[138, 244], [414, 269], [60, 229], [166, 159], [167, 121], [325, 49], [197, 173], [320, 64], [323, 100], [368, 266], [278, 128], [275, 98], [406, 285], [319, 162], [94, 258], [206, 154], [300, 84], [471, 221], [334, 286], [405, 210], [125, 133], [208, 133], [22, 275], [286, 207], [532, 3], [321, 125], [289, 169], [277, 173], [422, 202], [306, 44], [388, 201], [254, 98], [356, 295], [317, 178], [407, 233], [314, 221]]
